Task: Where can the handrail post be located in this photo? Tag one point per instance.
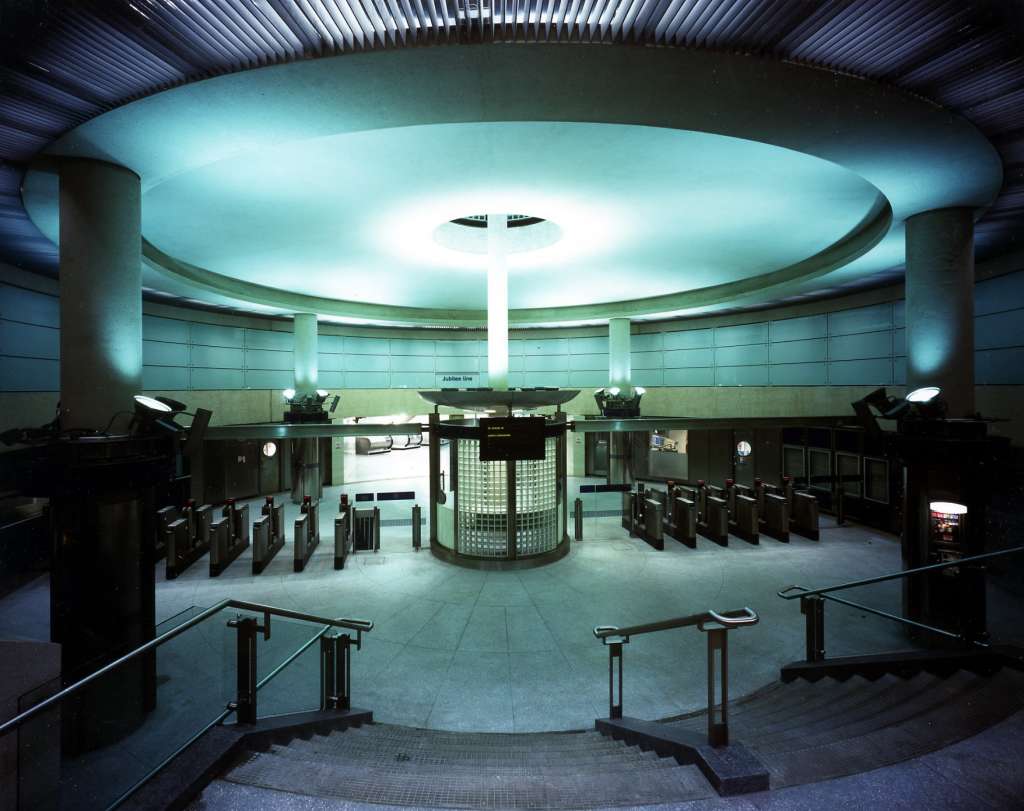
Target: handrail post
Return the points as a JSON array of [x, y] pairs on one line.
[[336, 672], [813, 607], [245, 701], [614, 653], [718, 713]]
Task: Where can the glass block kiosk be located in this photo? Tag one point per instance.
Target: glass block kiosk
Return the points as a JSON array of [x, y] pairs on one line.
[[504, 501]]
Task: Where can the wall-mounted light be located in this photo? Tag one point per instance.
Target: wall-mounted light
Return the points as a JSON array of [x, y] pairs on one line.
[[269, 449]]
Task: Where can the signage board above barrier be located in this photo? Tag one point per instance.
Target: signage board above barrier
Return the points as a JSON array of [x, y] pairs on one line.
[[511, 438]]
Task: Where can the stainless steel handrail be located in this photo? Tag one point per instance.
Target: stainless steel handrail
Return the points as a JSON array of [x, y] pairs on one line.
[[802, 591], [727, 619], [220, 719], [904, 621], [360, 626], [716, 624]]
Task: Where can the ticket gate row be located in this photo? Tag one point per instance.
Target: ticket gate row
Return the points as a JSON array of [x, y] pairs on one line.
[[715, 513], [192, 532]]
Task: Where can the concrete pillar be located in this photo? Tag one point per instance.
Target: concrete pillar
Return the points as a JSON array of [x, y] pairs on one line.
[[620, 369], [306, 357], [940, 305], [100, 292], [497, 303], [620, 374]]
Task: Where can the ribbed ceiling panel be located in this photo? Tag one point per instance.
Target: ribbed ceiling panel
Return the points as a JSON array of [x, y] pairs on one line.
[[75, 60]]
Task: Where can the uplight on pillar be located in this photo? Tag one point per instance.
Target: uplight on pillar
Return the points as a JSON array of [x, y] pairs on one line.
[[497, 303]]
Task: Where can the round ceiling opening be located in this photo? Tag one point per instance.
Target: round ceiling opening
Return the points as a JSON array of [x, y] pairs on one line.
[[524, 232]]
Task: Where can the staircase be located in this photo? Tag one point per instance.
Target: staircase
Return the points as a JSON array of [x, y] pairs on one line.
[[400, 766], [804, 731], [801, 731]]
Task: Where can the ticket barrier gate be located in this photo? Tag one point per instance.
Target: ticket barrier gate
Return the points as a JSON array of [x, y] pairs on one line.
[[683, 526], [165, 516], [267, 535], [653, 525], [188, 538], [702, 501], [758, 494], [804, 520], [715, 526], [366, 529], [628, 513], [730, 497], [787, 489], [342, 539], [776, 517], [307, 532], [230, 537], [745, 522]]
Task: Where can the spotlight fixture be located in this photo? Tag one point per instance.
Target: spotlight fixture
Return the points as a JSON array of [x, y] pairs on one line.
[[176, 406], [151, 407], [920, 404], [308, 407], [613, 403], [924, 395]]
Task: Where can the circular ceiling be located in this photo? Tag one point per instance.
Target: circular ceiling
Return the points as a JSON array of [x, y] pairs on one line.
[[631, 212], [664, 181]]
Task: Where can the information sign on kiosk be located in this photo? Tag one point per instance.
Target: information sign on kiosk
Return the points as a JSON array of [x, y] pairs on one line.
[[505, 439]]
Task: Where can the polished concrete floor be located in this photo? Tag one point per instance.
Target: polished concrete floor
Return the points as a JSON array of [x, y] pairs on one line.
[[514, 651]]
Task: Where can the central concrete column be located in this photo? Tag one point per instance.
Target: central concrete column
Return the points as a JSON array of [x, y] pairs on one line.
[[100, 292], [497, 303], [307, 478], [306, 357], [940, 305], [620, 375], [620, 368]]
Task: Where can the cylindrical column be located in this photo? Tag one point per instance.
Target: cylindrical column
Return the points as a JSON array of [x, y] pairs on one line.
[[940, 305], [100, 292], [620, 372], [497, 303], [306, 359]]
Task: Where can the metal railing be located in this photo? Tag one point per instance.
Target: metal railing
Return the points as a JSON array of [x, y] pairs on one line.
[[717, 626], [812, 604], [335, 669]]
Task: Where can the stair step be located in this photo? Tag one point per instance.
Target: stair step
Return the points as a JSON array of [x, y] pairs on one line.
[[947, 722], [921, 695], [452, 751], [887, 692], [407, 787], [501, 739], [611, 748], [556, 741], [806, 701], [635, 760]]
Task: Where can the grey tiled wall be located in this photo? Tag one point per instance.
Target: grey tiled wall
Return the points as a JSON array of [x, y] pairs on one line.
[[862, 346]]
